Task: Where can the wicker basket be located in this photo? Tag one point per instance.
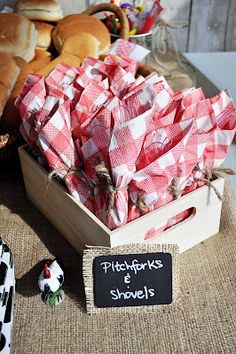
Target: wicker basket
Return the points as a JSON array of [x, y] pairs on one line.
[[9, 141]]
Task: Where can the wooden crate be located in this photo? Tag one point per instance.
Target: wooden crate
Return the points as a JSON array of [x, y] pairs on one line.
[[80, 227]]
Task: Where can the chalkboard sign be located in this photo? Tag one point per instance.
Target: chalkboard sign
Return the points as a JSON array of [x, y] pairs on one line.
[[122, 278], [133, 279]]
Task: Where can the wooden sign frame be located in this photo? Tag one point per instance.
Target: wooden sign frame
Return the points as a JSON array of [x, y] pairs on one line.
[[89, 255]]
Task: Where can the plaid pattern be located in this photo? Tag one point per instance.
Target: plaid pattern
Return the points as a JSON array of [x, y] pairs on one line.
[[129, 49], [33, 96], [147, 137], [123, 47], [223, 113], [46, 123], [156, 166]]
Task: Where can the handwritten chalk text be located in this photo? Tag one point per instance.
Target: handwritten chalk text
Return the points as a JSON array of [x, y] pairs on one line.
[[135, 266], [144, 293]]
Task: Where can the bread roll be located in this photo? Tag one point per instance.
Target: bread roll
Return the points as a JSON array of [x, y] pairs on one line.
[[9, 72], [43, 10], [44, 31], [10, 118], [81, 45], [17, 36], [76, 23]]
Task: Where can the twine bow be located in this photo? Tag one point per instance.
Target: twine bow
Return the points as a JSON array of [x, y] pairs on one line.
[[140, 203], [209, 174], [105, 181], [174, 189], [69, 171], [217, 172]]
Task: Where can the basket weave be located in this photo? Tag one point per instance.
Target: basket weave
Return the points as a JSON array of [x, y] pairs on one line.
[[13, 139]]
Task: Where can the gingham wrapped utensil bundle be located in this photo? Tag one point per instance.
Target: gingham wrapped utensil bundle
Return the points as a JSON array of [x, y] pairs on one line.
[[124, 145]]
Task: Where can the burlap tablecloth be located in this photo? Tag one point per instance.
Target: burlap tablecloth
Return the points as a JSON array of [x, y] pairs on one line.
[[202, 322]]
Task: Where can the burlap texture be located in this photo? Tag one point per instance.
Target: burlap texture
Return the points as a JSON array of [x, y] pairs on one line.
[[203, 321]]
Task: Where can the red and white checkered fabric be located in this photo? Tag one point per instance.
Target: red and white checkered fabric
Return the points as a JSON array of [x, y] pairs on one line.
[[147, 136], [46, 123], [123, 47], [224, 116], [157, 165], [33, 96], [212, 133]]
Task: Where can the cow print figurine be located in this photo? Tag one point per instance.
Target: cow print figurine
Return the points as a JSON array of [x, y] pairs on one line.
[[50, 282], [7, 290]]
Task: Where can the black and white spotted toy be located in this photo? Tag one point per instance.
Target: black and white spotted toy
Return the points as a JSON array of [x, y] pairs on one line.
[[7, 289]]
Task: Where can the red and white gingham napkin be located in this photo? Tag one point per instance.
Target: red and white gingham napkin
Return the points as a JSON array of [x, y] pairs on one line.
[[120, 143], [157, 165], [129, 49], [223, 113], [46, 123], [29, 102]]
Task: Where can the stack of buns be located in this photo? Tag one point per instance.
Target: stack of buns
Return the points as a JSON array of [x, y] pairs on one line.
[[77, 36], [41, 12], [9, 72], [17, 36], [30, 38], [77, 23], [44, 31], [23, 50]]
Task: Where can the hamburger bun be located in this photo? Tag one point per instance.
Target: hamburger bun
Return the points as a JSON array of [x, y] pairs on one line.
[[10, 118], [81, 45], [43, 10], [9, 72], [44, 31], [17, 36], [77, 23]]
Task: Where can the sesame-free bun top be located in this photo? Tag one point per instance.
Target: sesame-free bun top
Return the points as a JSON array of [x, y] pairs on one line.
[[17, 36], [82, 44], [44, 31], [10, 119], [9, 72], [44, 10], [76, 23]]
